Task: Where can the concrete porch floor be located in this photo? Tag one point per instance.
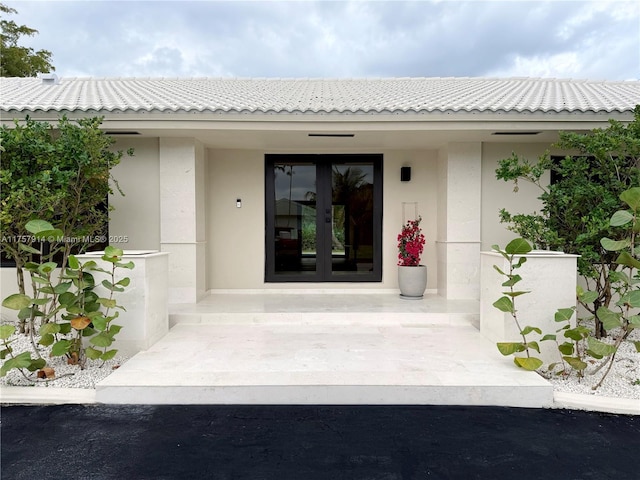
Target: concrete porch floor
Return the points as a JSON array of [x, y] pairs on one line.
[[323, 348]]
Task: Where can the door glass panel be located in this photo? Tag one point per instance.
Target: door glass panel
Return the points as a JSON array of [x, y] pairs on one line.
[[295, 218], [352, 229], [323, 218]]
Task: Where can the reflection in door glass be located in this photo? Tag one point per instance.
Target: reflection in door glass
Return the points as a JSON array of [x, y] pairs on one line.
[[295, 218], [352, 219]]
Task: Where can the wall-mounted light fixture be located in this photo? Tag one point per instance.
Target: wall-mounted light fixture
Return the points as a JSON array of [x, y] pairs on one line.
[[405, 174]]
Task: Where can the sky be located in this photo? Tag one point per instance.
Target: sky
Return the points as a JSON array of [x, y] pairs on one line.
[[580, 39]]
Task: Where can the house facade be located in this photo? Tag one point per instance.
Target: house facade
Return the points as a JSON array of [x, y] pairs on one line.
[[304, 184]]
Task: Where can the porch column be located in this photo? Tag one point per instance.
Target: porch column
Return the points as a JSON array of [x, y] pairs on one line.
[[458, 240], [182, 220]]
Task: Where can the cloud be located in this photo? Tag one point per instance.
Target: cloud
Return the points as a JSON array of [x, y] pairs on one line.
[[599, 40], [160, 60], [594, 39]]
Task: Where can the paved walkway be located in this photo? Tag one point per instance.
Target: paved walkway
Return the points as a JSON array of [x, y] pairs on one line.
[[309, 442], [329, 349], [324, 364]]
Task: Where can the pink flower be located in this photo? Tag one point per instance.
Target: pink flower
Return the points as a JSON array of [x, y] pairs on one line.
[[410, 243]]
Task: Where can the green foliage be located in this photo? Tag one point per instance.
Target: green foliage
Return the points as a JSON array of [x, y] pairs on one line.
[[532, 227], [518, 246], [6, 331], [54, 183], [504, 304], [564, 314], [509, 348], [70, 310], [572, 350], [17, 301], [577, 208], [507, 304], [600, 348], [575, 363], [618, 321], [609, 318], [22, 360], [574, 343], [16, 60], [625, 282], [60, 177], [528, 363]]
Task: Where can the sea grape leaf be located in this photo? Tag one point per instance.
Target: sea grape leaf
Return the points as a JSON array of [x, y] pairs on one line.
[[600, 348], [528, 363], [509, 348], [575, 363], [504, 304], [564, 314], [518, 246], [17, 301]]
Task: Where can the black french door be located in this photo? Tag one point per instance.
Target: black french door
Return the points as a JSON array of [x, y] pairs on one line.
[[323, 218]]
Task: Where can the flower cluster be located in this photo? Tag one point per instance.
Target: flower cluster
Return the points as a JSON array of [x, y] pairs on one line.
[[410, 244]]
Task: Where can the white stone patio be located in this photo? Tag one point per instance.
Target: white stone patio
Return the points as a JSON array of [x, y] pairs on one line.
[[310, 348]]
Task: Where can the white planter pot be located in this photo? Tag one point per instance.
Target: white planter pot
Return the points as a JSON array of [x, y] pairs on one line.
[[412, 281]]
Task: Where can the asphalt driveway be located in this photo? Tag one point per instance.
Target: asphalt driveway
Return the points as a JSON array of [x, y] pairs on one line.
[[306, 442]]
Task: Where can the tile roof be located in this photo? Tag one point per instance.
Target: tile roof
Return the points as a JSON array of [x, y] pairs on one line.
[[324, 96]]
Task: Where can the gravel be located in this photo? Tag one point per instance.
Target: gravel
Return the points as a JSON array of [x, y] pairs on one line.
[[67, 376], [622, 382]]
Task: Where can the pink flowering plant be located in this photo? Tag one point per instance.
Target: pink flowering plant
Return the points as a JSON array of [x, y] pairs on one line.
[[410, 244]]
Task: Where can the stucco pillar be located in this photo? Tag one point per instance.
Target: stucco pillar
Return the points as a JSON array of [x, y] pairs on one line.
[[459, 210], [182, 228]]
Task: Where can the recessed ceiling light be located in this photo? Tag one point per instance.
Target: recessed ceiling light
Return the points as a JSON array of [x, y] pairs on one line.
[[331, 134], [516, 133]]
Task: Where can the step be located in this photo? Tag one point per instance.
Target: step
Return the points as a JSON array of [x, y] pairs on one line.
[[328, 309], [323, 364]]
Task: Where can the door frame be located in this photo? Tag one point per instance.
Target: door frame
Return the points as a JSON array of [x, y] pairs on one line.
[[323, 273]]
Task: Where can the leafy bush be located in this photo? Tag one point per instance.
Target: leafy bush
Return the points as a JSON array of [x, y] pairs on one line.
[[577, 206], [67, 312]]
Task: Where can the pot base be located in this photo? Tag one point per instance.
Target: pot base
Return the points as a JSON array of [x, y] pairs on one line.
[[408, 297]]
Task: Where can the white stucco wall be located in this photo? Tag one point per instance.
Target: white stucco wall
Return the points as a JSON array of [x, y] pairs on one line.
[[235, 247], [137, 213], [422, 189], [498, 194], [235, 236]]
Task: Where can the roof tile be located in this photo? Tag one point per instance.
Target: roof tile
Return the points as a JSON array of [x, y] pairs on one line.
[[342, 96]]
